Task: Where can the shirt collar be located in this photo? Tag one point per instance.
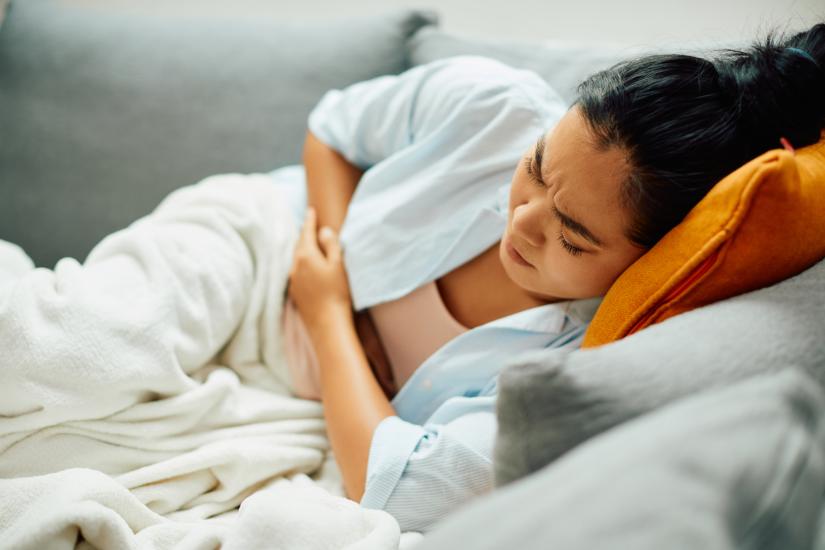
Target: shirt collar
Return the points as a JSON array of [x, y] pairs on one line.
[[544, 318], [551, 317], [582, 311]]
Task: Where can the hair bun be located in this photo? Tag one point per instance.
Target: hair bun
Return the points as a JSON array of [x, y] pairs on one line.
[[777, 87], [804, 54]]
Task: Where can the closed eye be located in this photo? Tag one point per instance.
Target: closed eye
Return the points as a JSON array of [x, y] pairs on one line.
[[570, 247]]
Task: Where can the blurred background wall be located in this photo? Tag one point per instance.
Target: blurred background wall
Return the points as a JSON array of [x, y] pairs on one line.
[[633, 22]]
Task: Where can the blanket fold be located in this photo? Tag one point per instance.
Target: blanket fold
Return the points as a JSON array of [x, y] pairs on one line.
[[144, 395]]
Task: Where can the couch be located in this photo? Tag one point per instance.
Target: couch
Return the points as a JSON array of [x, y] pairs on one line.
[[705, 431]]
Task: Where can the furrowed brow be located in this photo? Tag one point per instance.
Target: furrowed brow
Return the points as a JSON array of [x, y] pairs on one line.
[[576, 227], [567, 221]]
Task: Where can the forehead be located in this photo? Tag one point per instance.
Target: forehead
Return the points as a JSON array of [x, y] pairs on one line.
[[586, 180]]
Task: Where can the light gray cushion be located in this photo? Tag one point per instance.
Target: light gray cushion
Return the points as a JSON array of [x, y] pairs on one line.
[[550, 401], [732, 468], [562, 63], [104, 109]]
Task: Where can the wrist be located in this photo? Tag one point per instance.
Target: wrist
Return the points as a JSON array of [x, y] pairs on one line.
[[331, 318]]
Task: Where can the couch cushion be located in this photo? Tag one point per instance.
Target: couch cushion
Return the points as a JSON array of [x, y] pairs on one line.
[[552, 400], [738, 467], [106, 108], [563, 64]]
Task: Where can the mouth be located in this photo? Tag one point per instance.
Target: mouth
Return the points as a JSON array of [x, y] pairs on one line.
[[514, 254]]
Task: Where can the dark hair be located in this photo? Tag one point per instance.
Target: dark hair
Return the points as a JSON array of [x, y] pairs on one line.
[[685, 122]]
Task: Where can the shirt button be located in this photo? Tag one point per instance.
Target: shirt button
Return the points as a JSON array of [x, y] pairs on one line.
[[427, 384]]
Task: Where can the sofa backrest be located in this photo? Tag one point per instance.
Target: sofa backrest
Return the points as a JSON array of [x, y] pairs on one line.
[[104, 109]]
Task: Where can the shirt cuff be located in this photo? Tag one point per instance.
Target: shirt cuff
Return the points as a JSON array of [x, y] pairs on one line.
[[322, 122], [393, 441]]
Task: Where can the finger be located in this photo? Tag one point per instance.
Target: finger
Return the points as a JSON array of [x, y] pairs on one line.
[[308, 237], [330, 244], [309, 222]]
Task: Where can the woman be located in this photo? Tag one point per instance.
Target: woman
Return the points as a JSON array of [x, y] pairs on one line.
[[432, 218]]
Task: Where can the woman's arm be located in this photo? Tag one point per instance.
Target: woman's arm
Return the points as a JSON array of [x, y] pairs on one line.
[[354, 402], [331, 181]]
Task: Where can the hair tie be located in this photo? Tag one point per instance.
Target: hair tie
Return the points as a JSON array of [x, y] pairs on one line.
[[803, 53]]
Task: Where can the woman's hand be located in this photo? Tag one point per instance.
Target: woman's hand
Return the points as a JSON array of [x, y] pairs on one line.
[[318, 285], [317, 279]]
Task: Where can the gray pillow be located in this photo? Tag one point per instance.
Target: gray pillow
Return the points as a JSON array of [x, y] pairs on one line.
[[106, 108], [563, 66], [562, 63], [731, 468], [552, 400]]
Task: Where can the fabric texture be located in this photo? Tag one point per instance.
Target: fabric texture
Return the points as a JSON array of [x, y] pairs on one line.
[[108, 107], [144, 396], [759, 225], [551, 401], [53, 511], [728, 468]]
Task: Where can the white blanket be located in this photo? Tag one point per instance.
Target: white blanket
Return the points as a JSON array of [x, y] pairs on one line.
[[144, 395]]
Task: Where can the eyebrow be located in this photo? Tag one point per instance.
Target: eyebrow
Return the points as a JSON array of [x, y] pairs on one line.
[[539, 156], [576, 227], [567, 221]]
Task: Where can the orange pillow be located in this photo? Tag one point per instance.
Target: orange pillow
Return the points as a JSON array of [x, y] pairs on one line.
[[760, 224]]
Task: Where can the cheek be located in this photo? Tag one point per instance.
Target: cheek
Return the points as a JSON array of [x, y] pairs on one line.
[[573, 277]]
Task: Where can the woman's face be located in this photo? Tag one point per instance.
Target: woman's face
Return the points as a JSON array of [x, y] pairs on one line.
[[565, 220]]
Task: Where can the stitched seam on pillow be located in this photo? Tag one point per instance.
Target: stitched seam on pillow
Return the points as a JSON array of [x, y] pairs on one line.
[[653, 312], [668, 307]]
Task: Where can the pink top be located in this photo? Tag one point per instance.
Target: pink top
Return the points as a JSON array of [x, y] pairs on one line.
[[411, 328]]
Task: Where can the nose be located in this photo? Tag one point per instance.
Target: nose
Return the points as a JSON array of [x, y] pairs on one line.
[[528, 223]]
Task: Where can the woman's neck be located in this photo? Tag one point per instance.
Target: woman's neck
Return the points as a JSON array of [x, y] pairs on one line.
[[480, 291]]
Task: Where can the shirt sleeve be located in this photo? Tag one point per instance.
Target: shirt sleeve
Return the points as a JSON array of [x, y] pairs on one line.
[[421, 473], [370, 120]]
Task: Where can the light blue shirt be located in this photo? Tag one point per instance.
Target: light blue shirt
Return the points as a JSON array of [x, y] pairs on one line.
[[439, 144]]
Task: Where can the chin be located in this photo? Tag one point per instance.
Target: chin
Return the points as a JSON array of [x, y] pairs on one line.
[[515, 273]]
